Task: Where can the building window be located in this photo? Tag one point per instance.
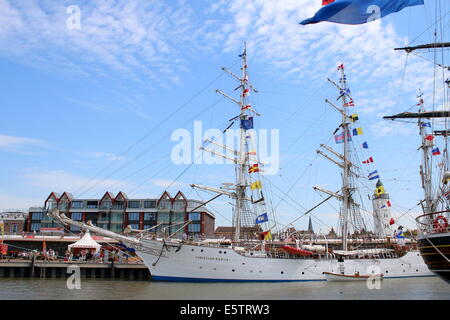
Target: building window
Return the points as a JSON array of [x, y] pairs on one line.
[[35, 226], [118, 205], [178, 205], [63, 205], [14, 228], [92, 204], [135, 226], [148, 226], [36, 216], [106, 204], [117, 217], [149, 216], [194, 216], [164, 204], [74, 228], [77, 204], [194, 227], [51, 205], [149, 204], [134, 204], [76, 216], [133, 216], [163, 217], [177, 217]]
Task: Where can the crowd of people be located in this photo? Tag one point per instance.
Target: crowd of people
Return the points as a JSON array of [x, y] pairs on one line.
[[104, 255]]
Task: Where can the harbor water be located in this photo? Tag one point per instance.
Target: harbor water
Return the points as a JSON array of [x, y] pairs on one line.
[[427, 288]]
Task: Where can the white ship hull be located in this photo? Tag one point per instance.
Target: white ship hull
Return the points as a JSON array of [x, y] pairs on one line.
[[198, 263]]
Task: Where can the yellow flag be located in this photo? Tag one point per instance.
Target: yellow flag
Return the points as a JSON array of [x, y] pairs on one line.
[[379, 190], [268, 236], [256, 185]]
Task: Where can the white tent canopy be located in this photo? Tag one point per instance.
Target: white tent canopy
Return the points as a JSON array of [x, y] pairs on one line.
[[86, 242]]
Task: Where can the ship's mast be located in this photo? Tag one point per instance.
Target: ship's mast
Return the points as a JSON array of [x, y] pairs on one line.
[[241, 181], [425, 168], [346, 171]]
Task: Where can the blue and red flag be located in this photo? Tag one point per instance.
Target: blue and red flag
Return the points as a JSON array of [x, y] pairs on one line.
[[358, 11]]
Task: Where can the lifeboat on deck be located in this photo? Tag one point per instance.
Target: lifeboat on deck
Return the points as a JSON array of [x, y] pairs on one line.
[[298, 252]]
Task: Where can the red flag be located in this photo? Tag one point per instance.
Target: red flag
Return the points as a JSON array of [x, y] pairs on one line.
[[253, 168], [392, 221], [246, 92], [429, 137], [341, 67], [246, 107], [325, 2], [370, 160], [388, 203]]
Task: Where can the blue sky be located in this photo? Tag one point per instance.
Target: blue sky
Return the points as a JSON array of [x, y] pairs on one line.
[[91, 110]]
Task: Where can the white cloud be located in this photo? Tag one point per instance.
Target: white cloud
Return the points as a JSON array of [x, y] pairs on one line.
[[140, 39], [107, 156], [20, 144]]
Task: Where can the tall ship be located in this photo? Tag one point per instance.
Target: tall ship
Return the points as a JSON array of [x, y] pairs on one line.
[[255, 254], [433, 239]]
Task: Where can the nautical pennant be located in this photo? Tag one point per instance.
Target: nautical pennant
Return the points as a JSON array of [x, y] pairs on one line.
[[447, 195], [253, 168], [354, 117], [426, 124], [349, 104], [251, 153], [365, 145], [247, 123], [256, 185], [246, 92], [374, 175], [370, 160], [379, 188], [262, 218], [435, 151], [339, 138], [429, 137], [266, 235], [357, 131], [358, 11], [246, 107]]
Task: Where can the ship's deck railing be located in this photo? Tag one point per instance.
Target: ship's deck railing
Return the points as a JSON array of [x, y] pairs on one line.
[[433, 223]]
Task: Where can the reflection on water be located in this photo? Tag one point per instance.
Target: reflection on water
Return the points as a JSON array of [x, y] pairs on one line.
[[406, 289]]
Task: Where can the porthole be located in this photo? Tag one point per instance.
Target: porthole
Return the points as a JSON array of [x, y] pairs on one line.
[[220, 251], [387, 271], [260, 271], [224, 252], [233, 270], [282, 272], [243, 263], [192, 249], [303, 273], [417, 270], [201, 250], [251, 253]]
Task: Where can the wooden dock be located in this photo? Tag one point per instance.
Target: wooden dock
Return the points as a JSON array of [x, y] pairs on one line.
[[60, 269]]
